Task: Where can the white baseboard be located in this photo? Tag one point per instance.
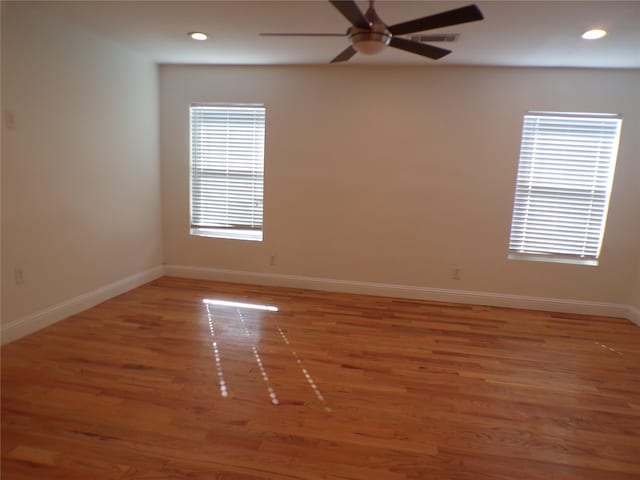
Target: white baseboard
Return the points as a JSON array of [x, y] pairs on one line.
[[36, 321], [24, 326], [403, 291]]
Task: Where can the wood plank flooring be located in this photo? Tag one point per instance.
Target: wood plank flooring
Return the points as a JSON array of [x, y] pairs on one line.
[[157, 384]]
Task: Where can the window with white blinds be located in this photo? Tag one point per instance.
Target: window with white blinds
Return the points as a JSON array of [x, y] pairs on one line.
[[227, 170], [567, 162]]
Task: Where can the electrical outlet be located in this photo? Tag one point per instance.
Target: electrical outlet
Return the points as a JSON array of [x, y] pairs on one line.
[[272, 260], [456, 273], [19, 275]]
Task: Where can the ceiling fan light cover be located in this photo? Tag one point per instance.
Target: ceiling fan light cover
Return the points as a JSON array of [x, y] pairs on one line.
[[369, 42]]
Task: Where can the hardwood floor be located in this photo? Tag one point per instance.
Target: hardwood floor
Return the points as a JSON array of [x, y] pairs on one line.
[[156, 384]]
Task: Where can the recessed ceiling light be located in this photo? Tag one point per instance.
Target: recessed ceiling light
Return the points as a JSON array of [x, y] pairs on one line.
[[594, 34], [198, 35]]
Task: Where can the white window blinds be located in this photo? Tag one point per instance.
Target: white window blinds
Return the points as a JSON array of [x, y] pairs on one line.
[[227, 170], [564, 181]]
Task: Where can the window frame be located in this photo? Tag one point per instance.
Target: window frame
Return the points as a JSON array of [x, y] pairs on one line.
[[227, 232], [551, 180]]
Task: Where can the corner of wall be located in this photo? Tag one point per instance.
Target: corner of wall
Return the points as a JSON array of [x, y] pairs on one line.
[[36, 321]]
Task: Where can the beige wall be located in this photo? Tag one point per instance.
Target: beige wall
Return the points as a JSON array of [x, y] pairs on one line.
[[398, 175], [80, 171]]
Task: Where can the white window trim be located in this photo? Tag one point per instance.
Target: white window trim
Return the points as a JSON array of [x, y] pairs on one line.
[[551, 259], [228, 233]]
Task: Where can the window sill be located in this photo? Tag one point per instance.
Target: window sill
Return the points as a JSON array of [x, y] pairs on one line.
[[552, 259], [251, 235]]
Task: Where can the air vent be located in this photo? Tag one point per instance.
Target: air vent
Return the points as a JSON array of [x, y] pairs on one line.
[[436, 37]]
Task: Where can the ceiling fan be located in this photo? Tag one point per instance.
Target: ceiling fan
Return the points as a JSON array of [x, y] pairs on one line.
[[368, 34]]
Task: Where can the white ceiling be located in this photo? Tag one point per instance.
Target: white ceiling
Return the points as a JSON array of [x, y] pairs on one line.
[[514, 33]]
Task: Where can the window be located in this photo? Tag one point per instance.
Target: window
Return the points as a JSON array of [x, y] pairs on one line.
[[227, 170], [567, 161]]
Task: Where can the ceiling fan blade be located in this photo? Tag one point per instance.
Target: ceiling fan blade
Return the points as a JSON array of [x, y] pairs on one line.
[[345, 55], [303, 34], [470, 13], [419, 48], [351, 12]]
